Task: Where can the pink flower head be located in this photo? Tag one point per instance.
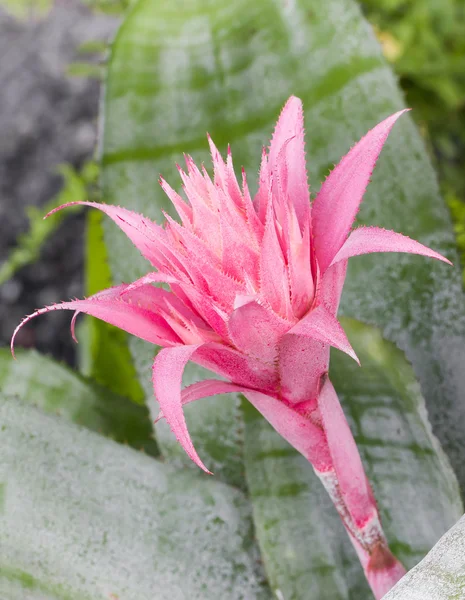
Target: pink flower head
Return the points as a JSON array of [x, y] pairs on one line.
[[255, 287]]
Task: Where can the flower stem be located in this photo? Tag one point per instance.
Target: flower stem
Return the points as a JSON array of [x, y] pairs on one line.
[[381, 568], [345, 481]]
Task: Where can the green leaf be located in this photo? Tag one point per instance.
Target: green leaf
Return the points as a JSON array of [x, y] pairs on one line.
[[28, 9], [93, 47], [104, 354], [88, 70], [83, 518], [304, 546], [440, 575], [111, 7], [227, 68], [39, 380], [31, 242]]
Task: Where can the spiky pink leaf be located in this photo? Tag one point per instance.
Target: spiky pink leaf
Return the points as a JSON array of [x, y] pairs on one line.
[[256, 331], [182, 208], [305, 436], [136, 316], [319, 324], [240, 254], [263, 195], [301, 278], [209, 387], [204, 389], [302, 362], [237, 367], [289, 136], [366, 240], [329, 288], [274, 284], [146, 235], [339, 198], [167, 371]]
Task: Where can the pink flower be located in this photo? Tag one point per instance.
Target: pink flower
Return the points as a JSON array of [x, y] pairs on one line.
[[255, 288]]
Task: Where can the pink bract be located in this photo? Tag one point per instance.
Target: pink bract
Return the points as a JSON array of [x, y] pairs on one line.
[[255, 288]]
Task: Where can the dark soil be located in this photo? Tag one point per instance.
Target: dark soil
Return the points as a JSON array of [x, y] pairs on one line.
[[46, 118]]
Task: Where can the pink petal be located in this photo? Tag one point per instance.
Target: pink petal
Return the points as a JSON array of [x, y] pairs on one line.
[[305, 436], [220, 286], [136, 318], [182, 208], [256, 331], [238, 368], [209, 387], [329, 289], [274, 283], [154, 277], [146, 235], [240, 254], [220, 174], [205, 219], [345, 457], [304, 357], [195, 246], [302, 362], [288, 137], [204, 389], [140, 292], [167, 371], [233, 188], [195, 306], [254, 223], [262, 197], [366, 240], [339, 198], [319, 324], [300, 274], [208, 309]]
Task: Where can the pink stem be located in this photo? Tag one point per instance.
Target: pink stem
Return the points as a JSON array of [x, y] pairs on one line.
[[347, 485], [381, 568]]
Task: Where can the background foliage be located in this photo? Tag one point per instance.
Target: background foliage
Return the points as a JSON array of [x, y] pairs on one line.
[[425, 44]]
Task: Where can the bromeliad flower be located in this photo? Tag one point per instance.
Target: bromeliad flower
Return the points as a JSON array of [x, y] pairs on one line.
[[255, 286]]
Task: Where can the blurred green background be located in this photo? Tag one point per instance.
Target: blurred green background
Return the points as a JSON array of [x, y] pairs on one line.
[[425, 43]]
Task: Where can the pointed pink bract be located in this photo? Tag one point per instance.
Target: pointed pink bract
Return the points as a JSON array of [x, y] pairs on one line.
[[287, 151], [304, 435], [338, 201], [366, 240], [168, 368], [322, 326]]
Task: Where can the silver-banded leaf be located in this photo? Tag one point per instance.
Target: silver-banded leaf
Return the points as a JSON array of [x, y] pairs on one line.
[[55, 388], [227, 68], [305, 549], [440, 575], [84, 518], [132, 180]]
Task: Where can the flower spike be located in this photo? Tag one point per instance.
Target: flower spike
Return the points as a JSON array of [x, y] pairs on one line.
[[255, 286]]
